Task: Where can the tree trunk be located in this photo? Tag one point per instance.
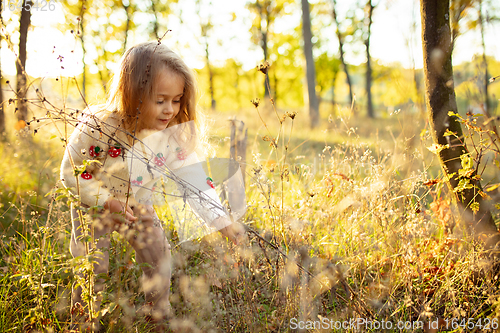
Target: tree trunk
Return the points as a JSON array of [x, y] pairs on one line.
[[418, 89], [264, 14], [333, 90], [2, 113], [437, 49], [155, 22], [21, 90], [275, 92], [84, 77], [485, 63], [341, 52], [210, 76], [310, 71], [369, 103], [104, 73], [127, 26]]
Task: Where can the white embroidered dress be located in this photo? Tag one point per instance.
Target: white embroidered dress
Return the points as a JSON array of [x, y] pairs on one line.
[[160, 168]]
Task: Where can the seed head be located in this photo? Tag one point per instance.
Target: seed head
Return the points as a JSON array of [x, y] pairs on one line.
[[291, 114], [264, 67]]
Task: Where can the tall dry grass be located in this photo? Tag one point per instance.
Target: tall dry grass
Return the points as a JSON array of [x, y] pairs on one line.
[[349, 222]]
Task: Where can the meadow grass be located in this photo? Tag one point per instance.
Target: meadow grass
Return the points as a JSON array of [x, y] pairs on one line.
[[341, 227]]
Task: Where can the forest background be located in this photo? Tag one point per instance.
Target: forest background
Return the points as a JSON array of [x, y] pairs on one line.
[[225, 42], [346, 199]]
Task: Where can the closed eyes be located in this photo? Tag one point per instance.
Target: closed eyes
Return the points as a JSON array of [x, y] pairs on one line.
[[161, 101]]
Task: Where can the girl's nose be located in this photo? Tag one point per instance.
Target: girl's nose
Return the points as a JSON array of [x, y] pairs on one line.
[[169, 108]]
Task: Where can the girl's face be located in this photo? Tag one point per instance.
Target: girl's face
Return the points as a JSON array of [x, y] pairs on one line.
[[166, 102]]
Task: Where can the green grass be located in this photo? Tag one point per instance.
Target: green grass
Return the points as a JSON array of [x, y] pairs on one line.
[[347, 204]]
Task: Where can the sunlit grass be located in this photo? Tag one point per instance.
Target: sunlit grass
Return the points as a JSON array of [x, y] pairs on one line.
[[346, 201]]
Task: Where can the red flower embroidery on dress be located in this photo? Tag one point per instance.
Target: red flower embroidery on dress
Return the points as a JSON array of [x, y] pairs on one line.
[[159, 159], [94, 151], [138, 181], [86, 175], [210, 182], [115, 150], [181, 153]]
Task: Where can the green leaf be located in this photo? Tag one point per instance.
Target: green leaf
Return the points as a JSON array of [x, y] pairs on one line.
[[493, 187], [450, 176], [449, 133], [474, 206], [463, 185], [466, 161], [436, 148]]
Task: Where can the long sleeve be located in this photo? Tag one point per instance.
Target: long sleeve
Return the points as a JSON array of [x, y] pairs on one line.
[[105, 176], [160, 155], [200, 195]]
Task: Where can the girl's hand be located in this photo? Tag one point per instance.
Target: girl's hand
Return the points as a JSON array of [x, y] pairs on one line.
[[235, 232], [119, 212], [145, 213]]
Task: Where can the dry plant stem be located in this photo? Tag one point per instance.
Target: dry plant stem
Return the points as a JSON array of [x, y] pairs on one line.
[[80, 92], [285, 256], [282, 168], [272, 100], [83, 225], [265, 125]]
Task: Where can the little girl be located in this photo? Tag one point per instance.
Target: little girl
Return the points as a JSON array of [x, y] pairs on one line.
[[152, 102]]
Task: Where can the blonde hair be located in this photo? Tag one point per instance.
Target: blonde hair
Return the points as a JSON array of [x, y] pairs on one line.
[[133, 87]]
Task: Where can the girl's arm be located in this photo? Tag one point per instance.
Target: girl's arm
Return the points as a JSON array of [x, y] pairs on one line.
[[208, 205], [91, 191], [235, 232]]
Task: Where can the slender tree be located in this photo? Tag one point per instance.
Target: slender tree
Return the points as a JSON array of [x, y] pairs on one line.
[[2, 113], [21, 89], [458, 10], [310, 70], [266, 12], [260, 28], [437, 49], [129, 10], [485, 62], [340, 37], [368, 79], [210, 71], [156, 26], [161, 10], [417, 77], [79, 11], [206, 27], [81, 34]]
